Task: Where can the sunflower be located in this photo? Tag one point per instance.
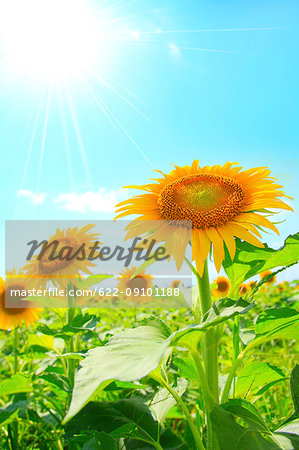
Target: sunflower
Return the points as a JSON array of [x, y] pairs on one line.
[[134, 288], [223, 286], [244, 288], [62, 270], [267, 273], [175, 284], [11, 317], [222, 202]]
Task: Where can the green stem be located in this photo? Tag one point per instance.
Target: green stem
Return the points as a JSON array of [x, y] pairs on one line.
[[71, 364], [16, 363], [236, 343], [210, 350], [209, 399], [231, 377], [236, 365], [184, 409]]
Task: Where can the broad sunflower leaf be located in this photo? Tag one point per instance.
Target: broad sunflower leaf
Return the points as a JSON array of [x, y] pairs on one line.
[[288, 435], [256, 375], [15, 384], [278, 323], [129, 419], [233, 436], [250, 260], [128, 356], [134, 353], [246, 411], [163, 401]]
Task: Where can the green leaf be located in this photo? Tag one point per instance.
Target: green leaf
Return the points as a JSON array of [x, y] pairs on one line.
[[133, 354], [294, 382], [128, 418], [187, 368], [288, 435], [254, 376], [15, 384], [102, 441], [250, 260], [91, 280], [163, 401], [121, 385], [58, 380], [247, 411], [7, 417], [233, 436], [278, 323], [128, 356], [81, 322], [224, 309]]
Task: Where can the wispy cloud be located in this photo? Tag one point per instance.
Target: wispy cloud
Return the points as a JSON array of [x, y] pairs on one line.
[[175, 52], [35, 198], [102, 200]]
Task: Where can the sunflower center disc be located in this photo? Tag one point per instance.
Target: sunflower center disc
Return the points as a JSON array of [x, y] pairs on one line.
[[14, 301], [51, 263], [207, 200]]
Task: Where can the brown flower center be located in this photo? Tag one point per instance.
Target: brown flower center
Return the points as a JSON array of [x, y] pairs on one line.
[[11, 301], [139, 282], [62, 254], [207, 200], [222, 286]]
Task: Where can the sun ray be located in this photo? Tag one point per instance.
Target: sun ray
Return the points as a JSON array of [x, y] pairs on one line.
[[210, 50], [212, 30], [66, 142], [115, 91], [29, 152], [100, 101], [78, 133], [43, 142]]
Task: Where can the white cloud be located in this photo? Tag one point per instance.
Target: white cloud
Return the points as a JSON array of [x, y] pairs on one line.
[[99, 201], [175, 52], [36, 199]]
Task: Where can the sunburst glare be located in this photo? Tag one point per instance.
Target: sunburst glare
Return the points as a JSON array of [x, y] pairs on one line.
[[49, 39]]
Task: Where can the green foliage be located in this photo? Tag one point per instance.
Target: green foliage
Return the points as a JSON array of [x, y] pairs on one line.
[[128, 356], [250, 260], [124, 379], [256, 377]]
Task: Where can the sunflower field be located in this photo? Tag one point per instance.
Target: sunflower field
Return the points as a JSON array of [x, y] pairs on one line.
[[220, 373]]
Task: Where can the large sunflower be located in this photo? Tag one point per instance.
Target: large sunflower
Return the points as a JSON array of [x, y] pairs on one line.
[[222, 202], [66, 269], [11, 317]]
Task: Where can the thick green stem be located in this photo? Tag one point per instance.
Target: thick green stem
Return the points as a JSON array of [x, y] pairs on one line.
[[185, 411], [236, 343], [208, 397], [16, 362], [210, 350]]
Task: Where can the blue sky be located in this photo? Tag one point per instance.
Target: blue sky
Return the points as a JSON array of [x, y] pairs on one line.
[[178, 80]]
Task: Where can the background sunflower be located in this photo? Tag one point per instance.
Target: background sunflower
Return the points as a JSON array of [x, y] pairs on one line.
[[62, 271], [134, 288], [12, 317]]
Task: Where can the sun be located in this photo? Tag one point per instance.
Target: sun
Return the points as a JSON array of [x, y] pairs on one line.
[[49, 39]]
